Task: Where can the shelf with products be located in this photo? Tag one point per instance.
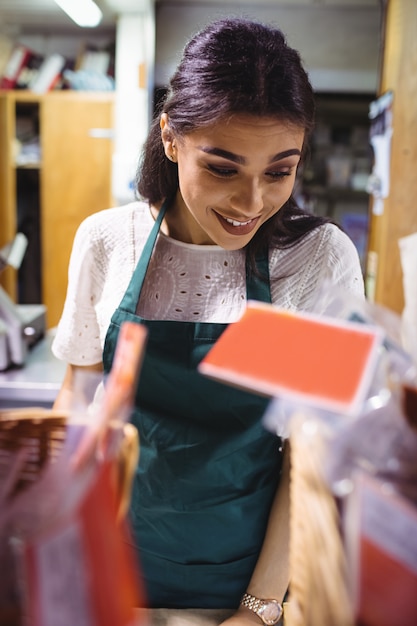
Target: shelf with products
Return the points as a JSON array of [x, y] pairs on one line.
[[340, 159], [333, 179]]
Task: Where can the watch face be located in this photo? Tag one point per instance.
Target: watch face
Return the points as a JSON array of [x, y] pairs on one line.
[[270, 613]]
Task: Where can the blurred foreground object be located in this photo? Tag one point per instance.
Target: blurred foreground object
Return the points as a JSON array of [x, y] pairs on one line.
[[353, 481], [65, 485]]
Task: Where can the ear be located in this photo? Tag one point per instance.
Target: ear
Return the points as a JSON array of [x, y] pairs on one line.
[[167, 137]]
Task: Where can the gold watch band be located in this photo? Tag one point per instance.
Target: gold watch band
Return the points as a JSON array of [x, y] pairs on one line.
[[268, 610]]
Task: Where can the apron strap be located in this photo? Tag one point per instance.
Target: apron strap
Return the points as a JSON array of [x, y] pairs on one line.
[[129, 301], [258, 287]]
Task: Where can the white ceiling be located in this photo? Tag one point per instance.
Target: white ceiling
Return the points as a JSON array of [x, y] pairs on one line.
[[46, 15]]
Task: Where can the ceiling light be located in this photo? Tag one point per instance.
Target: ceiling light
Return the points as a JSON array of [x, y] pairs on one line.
[[82, 12]]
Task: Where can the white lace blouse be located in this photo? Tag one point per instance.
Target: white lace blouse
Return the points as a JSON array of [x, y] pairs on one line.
[[184, 281]]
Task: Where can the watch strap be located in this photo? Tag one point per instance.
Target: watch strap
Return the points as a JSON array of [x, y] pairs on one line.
[[268, 610]]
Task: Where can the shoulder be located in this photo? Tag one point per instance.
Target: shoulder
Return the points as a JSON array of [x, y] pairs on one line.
[[326, 238], [333, 237], [336, 249], [324, 242], [325, 256], [118, 227], [116, 219], [318, 243]]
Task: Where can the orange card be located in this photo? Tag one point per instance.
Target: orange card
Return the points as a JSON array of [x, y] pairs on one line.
[[321, 361]]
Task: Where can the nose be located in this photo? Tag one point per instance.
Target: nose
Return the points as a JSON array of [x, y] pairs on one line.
[[248, 198]]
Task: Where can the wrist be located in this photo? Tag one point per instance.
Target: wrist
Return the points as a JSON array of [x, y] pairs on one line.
[[248, 617]]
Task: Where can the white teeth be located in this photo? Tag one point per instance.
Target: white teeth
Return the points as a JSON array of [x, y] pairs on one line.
[[235, 223]]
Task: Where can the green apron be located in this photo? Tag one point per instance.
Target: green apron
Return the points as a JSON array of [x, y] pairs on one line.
[[208, 469]]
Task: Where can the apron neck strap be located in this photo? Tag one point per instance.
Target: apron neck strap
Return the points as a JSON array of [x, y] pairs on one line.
[[130, 297], [258, 286], [149, 245]]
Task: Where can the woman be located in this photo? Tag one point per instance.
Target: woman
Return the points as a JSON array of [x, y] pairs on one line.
[[217, 225]]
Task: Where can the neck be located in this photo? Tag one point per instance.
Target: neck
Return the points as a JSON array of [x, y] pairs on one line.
[[179, 224]]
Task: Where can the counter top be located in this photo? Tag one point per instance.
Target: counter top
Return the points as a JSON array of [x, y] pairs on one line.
[[37, 382]]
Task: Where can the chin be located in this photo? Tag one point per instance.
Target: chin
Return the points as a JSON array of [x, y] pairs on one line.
[[234, 245]]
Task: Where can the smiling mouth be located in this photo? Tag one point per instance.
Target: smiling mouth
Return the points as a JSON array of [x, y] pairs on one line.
[[235, 227]]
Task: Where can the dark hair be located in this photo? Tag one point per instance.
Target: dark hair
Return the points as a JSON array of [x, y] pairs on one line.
[[233, 66]]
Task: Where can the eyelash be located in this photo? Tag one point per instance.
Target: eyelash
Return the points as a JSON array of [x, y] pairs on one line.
[[278, 175], [228, 173]]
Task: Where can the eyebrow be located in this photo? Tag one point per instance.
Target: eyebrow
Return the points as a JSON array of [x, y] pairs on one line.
[[225, 154]]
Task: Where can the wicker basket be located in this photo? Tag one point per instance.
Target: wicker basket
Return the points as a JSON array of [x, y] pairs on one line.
[[319, 593], [41, 433]]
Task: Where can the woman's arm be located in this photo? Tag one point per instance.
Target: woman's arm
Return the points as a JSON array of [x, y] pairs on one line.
[[63, 401], [270, 578]]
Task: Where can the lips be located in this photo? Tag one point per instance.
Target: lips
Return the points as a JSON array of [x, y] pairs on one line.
[[236, 227]]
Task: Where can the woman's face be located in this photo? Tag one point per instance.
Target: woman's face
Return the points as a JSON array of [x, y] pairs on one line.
[[233, 176]]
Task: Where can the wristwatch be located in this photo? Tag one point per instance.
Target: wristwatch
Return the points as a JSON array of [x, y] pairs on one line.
[[270, 611]]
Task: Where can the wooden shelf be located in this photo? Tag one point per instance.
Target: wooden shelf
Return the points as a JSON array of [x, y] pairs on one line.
[[29, 166]]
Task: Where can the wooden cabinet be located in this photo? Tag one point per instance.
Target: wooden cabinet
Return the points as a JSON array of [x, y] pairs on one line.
[[55, 169]]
